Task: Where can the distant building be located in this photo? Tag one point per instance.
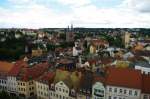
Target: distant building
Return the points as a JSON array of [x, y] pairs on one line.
[[70, 34], [126, 39], [97, 45], [37, 52], [92, 49], [77, 50]]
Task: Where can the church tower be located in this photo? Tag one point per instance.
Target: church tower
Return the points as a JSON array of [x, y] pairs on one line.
[[70, 34]]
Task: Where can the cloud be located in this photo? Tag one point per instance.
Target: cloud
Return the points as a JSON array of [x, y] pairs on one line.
[[74, 3], [82, 13], [34, 16], [137, 5], [20, 1], [110, 17]]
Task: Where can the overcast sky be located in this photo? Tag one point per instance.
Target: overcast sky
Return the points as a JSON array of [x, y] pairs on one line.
[[81, 13]]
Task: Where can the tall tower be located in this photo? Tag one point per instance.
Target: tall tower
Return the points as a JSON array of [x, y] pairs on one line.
[[126, 39], [70, 34]]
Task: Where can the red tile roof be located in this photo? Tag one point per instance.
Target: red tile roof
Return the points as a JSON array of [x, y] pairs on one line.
[[48, 76], [146, 84], [33, 72], [5, 66], [99, 42], [124, 77], [17, 68]]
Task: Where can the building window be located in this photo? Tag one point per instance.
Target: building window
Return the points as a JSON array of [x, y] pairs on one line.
[[59, 89], [115, 90], [130, 92], [145, 97], [125, 91], [120, 90], [110, 89], [66, 91], [95, 90], [135, 93], [115, 97]]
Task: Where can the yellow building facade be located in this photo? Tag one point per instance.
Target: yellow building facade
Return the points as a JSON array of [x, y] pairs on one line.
[[26, 89]]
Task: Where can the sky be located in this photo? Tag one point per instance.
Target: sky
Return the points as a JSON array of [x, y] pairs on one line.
[[80, 13]]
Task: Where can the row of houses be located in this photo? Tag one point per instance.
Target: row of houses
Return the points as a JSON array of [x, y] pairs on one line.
[[43, 83]]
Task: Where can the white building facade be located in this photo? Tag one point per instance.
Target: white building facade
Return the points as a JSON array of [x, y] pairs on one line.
[[98, 91], [3, 84], [60, 91], [115, 92], [42, 90], [12, 84], [144, 69]]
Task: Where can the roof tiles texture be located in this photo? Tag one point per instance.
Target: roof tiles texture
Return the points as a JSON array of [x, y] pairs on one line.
[[146, 84], [5, 66], [124, 77]]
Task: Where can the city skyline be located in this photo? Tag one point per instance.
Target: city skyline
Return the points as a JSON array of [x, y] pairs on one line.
[[81, 13]]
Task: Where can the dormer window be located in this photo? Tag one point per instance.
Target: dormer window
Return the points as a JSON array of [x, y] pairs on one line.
[[52, 86], [61, 83], [73, 92], [66, 91]]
